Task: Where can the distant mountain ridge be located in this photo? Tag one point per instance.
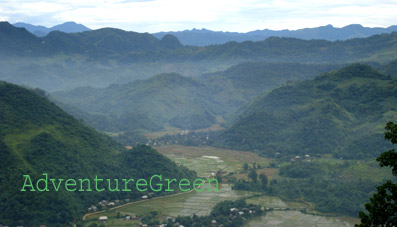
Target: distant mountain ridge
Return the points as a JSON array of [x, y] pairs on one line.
[[41, 31], [204, 37]]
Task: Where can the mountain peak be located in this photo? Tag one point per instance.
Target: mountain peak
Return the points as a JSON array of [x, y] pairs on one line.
[[170, 42]]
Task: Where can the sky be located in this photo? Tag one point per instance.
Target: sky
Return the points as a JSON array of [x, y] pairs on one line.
[[218, 15]]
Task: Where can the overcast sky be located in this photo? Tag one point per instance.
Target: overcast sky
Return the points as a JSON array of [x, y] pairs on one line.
[[219, 15]]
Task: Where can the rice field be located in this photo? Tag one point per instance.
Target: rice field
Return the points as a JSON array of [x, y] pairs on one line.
[[203, 161], [199, 203]]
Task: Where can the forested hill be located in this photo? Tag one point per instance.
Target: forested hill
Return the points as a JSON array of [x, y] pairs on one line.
[[37, 137], [341, 113]]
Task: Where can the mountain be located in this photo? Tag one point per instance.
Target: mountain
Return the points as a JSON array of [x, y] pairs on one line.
[[38, 137], [178, 101], [204, 37], [341, 113], [41, 31]]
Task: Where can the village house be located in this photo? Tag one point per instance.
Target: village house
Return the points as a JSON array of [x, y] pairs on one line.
[[103, 219]]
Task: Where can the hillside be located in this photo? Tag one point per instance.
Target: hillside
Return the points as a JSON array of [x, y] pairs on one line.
[[263, 76], [38, 137], [390, 69], [204, 37], [341, 113], [165, 99]]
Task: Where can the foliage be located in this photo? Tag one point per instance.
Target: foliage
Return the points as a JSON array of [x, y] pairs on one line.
[[225, 213], [301, 169], [253, 175], [382, 208]]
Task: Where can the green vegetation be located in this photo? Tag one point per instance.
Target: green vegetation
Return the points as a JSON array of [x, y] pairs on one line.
[[329, 185], [38, 137], [226, 213]]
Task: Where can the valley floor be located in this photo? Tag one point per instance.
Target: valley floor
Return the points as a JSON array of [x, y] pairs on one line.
[[206, 160]]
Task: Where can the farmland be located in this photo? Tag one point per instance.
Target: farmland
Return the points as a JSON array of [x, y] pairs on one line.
[[204, 160]]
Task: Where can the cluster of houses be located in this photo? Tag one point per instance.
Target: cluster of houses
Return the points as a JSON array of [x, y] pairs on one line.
[[298, 157], [105, 203], [104, 219]]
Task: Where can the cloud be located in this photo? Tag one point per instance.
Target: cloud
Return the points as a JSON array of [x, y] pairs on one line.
[[225, 15]]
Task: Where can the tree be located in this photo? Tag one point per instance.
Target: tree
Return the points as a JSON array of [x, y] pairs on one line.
[[382, 208], [253, 175], [264, 180], [245, 166]]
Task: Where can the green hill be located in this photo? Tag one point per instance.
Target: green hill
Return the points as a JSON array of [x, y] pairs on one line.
[[341, 113], [38, 137]]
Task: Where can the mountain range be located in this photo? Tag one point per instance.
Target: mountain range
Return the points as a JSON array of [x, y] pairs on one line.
[[41, 31], [204, 37], [61, 61]]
